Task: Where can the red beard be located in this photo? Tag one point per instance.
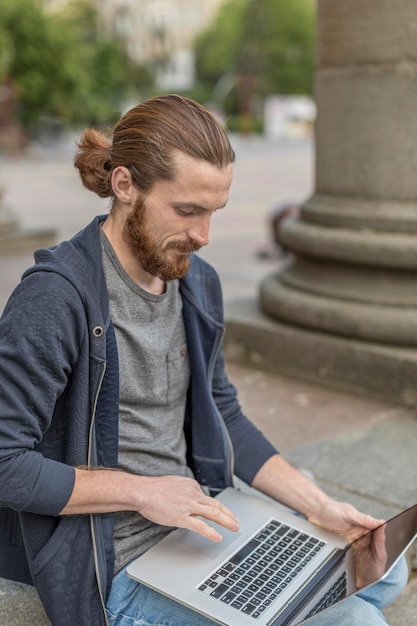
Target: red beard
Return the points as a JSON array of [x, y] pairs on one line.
[[148, 249]]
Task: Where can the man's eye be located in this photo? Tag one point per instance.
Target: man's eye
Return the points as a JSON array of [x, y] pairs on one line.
[[185, 211]]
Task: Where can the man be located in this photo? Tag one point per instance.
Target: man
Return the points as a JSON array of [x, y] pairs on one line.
[[118, 421]]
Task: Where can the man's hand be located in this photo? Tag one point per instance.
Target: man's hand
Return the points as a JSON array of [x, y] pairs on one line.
[[342, 518], [176, 501], [369, 547], [167, 500], [370, 557]]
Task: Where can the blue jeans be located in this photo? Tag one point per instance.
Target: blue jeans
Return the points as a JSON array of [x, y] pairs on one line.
[[132, 604]]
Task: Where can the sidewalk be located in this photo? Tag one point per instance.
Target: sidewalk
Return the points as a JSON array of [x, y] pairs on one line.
[[360, 449]]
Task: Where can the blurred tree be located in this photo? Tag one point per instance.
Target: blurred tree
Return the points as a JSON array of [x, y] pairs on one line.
[[287, 45], [6, 48], [217, 48], [61, 65], [107, 75], [37, 59], [268, 43]]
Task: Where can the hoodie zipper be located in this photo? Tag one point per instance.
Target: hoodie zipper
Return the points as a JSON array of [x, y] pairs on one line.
[[190, 297], [210, 371], [93, 535]]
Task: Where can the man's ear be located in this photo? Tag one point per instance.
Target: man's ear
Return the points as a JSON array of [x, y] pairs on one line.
[[122, 184]]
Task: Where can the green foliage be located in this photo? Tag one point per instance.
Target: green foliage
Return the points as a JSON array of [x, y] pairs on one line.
[[271, 40], [287, 46], [6, 52], [217, 48], [61, 65], [37, 58]]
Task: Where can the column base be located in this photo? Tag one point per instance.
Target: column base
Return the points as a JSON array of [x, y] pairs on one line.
[[23, 241], [327, 313], [387, 372], [17, 240]]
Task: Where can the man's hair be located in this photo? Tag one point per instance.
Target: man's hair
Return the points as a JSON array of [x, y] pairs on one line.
[[145, 140]]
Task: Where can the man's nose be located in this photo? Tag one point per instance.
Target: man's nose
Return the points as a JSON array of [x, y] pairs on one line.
[[200, 232]]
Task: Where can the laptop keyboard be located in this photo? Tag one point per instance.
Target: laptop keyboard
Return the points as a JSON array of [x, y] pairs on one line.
[[255, 575], [337, 592]]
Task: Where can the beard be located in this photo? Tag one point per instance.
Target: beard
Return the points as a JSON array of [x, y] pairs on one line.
[[148, 248]]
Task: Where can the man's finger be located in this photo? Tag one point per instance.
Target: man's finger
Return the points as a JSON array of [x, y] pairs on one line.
[[217, 512]]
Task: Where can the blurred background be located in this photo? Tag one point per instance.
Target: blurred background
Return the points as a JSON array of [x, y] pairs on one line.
[[71, 63], [319, 100], [317, 250]]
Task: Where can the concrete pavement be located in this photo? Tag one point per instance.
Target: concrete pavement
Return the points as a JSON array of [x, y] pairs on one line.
[[360, 449]]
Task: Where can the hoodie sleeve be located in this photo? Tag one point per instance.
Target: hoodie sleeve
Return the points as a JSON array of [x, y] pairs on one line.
[[40, 333], [250, 447]]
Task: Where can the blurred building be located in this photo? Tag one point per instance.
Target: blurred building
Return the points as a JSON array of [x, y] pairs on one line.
[[159, 33]]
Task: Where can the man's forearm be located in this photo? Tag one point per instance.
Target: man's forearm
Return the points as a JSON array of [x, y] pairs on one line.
[[285, 483], [102, 491], [167, 500]]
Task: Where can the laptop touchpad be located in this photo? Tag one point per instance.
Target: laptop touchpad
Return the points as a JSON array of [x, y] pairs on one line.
[[205, 546]]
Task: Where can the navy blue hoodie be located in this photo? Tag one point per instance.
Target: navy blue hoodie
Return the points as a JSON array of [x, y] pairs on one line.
[[59, 391]]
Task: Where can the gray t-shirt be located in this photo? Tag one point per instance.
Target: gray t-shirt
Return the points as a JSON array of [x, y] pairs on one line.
[[154, 378]]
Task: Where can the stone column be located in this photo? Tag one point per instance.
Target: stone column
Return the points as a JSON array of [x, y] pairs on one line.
[[17, 240], [353, 277]]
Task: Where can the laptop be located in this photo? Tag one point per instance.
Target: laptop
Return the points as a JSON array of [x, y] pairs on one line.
[[277, 570]]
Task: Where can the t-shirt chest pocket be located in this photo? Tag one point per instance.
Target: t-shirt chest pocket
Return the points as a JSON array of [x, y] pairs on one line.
[[178, 373]]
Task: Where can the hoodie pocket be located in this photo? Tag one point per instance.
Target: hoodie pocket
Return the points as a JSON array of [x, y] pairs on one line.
[[54, 545], [65, 575]]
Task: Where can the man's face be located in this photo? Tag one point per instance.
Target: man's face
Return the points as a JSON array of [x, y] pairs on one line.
[[173, 219]]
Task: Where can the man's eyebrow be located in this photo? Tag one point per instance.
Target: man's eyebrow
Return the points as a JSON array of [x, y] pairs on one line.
[[199, 207]]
